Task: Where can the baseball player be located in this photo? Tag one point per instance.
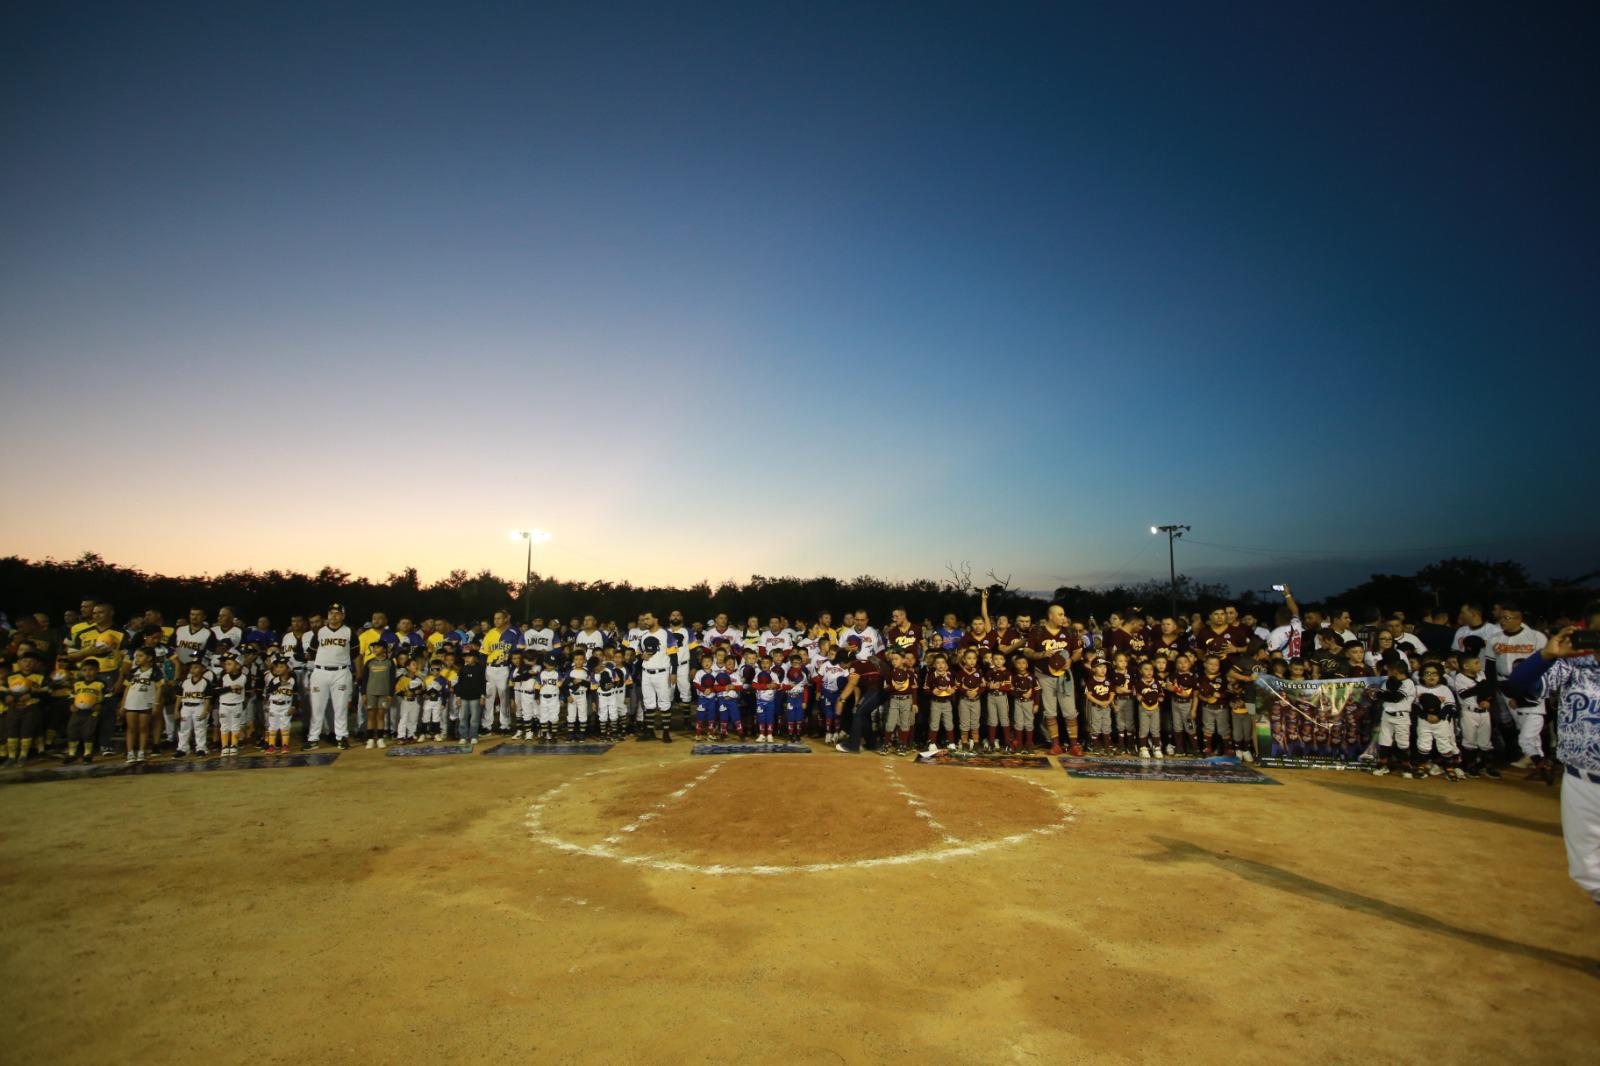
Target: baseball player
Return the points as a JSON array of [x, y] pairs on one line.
[[408, 690], [831, 675], [1052, 647], [24, 700], [1572, 677], [578, 684], [1398, 695], [705, 692], [1511, 645], [1473, 690], [498, 643], [767, 685], [997, 680], [549, 702], [539, 639], [728, 680], [1436, 727], [683, 647], [655, 679], [524, 694], [230, 694], [280, 699], [610, 679], [332, 678], [194, 708], [589, 640], [796, 680]]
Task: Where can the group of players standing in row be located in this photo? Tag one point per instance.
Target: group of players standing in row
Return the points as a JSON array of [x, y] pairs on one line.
[[1133, 685]]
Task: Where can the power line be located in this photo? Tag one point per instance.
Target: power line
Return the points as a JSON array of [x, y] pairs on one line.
[[1389, 550]]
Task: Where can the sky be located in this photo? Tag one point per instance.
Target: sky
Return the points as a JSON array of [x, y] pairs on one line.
[[713, 290]]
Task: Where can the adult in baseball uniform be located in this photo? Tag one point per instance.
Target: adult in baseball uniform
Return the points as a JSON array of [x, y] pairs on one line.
[[332, 679], [499, 642], [683, 645], [655, 679], [1510, 646], [1052, 648], [1572, 677]]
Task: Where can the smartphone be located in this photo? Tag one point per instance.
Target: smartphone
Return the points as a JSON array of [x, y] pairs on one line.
[[1585, 640], [1277, 588]]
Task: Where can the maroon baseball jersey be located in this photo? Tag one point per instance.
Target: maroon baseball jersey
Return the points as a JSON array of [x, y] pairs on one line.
[[1058, 646], [1024, 686], [984, 644], [1135, 645], [903, 638], [941, 686], [1100, 690], [1182, 684], [1148, 693], [1006, 637], [997, 680], [869, 675], [971, 682], [902, 681], [1211, 687], [1210, 642]]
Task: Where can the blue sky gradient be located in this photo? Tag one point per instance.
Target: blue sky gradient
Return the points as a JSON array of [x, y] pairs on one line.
[[733, 289]]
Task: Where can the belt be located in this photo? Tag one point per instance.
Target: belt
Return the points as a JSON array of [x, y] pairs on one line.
[[657, 670], [321, 667], [1584, 775]]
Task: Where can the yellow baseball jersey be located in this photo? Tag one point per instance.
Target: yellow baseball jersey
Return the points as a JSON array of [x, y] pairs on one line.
[[409, 688], [25, 687], [498, 645], [367, 641], [435, 639], [86, 637], [86, 695]]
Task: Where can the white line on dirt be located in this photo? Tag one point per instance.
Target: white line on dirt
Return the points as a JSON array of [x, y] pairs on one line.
[[536, 829], [654, 812], [918, 808]]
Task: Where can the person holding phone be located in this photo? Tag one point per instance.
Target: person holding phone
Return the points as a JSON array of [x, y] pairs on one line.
[[1567, 667]]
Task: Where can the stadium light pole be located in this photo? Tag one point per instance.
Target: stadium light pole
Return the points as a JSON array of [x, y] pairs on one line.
[[1173, 532], [532, 536]]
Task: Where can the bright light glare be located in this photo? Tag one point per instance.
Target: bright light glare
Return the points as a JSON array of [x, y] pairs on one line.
[[1153, 529]]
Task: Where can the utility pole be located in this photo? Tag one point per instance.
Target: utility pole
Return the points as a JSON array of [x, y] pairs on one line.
[[1173, 532]]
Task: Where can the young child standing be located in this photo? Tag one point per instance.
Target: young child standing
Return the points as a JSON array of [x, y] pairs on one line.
[[941, 691], [139, 699], [705, 697], [766, 686], [549, 702], [1147, 695], [969, 701], [1024, 689], [230, 693], [379, 693], [1397, 696], [1436, 727], [1122, 705], [796, 680], [25, 695], [408, 691], [88, 692], [279, 692], [1211, 691], [577, 684], [523, 682], [902, 714], [728, 676], [194, 710], [997, 678], [1100, 694], [1473, 691], [831, 675]]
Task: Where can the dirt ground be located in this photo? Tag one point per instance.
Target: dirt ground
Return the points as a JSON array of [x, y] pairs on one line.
[[787, 909]]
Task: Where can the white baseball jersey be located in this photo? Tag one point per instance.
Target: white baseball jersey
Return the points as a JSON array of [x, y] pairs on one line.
[[713, 636], [589, 643], [224, 640], [196, 694], [539, 640], [297, 648], [773, 642], [141, 695], [1459, 684], [230, 689], [280, 693], [652, 648], [332, 647], [1485, 632], [1509, 649], [188, 643]]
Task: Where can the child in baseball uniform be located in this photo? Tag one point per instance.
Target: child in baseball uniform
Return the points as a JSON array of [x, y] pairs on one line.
[[1396, 698], [766, 685], [1122, 706], [549, 701], [1473, 692], [1147, 694], [1100, 694], [24, 700], [1211, 692], [997, 678], [610, 687], [408, 692], [194, 710], [969, 699], [831, 675], [139, 699], [705, 697], [1024, 689], [941, 694], [577, 684], [728, 681], [1436, 752], [279, 693], [230, 695], [522, 682], [901, 716], [435, 700], [796, 680]]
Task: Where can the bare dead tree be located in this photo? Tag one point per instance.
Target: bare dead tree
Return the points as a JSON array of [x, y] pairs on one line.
[[960, 579], [999, 584]]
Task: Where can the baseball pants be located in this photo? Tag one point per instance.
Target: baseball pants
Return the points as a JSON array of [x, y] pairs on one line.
[[902, 714], [525, 707], [1099, 719], [496, 697], [192, 722], [728, 712], [406, 726], [1056, 698], [82, 726], [794, 708], [968, 714], [1530, 730], [1214, 720], [433, 714], [578, 712], [1395, 731], [278, 718], [655, 690], [549, 710], [1022, 720], [608, 707], [1150, 724], [828, 707], [939, 716], [231, 717], [1580, 828], [997, 708], [683, 682], [1182, 717], [1475, 730], [1122, 709], [330, 689], [1437, 736], [1243, 725]]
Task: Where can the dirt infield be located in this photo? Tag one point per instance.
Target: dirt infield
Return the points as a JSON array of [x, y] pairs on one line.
[[650, 905]]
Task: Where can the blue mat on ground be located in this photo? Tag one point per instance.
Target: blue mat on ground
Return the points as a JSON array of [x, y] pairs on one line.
[[750, 749], [999, 762], [412, 750], [513, 748], [45, 772], [1222, 770]]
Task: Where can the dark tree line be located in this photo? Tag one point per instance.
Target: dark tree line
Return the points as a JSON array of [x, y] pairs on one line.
[[54, 586]]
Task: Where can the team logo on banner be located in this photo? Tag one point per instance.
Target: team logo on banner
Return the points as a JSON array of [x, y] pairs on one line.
[[1317, 722]]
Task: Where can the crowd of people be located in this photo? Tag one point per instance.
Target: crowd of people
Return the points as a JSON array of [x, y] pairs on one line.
[[1134, 684]]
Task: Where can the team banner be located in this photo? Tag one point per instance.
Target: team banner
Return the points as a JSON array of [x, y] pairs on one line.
[[1317, 724]]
